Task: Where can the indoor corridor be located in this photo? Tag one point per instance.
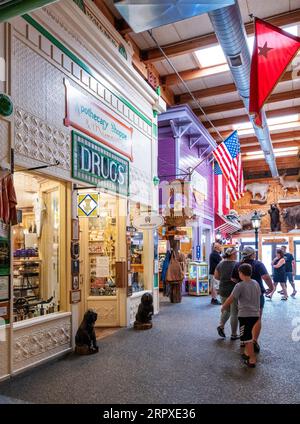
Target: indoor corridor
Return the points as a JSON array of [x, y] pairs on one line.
[[180, 360]]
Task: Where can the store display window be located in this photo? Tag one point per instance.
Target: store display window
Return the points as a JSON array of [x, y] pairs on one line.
[[36, 243], [99, 234], [136, 249]]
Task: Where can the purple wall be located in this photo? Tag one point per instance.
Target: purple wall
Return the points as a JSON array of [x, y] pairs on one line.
[[188, 158]]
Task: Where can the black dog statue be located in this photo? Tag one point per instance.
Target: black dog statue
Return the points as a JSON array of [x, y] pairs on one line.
[[143, 318], [85, 338]]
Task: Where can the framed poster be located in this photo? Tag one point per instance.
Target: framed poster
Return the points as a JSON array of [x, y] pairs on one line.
[[75, 296], [74, 249], [75, 229], [75, 266], [4, 287], [75, 282]]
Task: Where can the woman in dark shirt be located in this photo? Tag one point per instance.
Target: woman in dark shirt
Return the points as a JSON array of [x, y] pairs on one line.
[[279, 275]]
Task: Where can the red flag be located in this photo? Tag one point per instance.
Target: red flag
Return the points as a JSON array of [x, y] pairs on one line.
[[273, 50]]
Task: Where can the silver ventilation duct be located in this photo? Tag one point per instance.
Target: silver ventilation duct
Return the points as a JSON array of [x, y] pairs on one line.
[[229, 28], [142, 15]]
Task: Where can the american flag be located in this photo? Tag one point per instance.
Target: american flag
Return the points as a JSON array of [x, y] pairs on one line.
[[228, 155]]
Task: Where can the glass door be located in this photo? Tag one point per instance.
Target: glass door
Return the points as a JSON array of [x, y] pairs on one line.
[[297, 258]]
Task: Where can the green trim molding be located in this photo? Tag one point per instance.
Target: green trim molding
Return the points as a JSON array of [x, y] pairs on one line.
[[6, 105], [80, 63], [14, 8]]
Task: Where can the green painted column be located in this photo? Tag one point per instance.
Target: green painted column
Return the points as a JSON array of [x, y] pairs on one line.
[[18, 7]]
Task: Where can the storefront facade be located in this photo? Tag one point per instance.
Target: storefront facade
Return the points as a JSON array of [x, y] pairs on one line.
[[83, 119], [184, 145]]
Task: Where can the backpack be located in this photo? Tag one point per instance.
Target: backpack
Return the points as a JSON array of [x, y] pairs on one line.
[[175, 271]]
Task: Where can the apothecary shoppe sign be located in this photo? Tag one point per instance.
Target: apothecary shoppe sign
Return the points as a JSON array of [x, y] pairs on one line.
[[94, 164], [99, 122]]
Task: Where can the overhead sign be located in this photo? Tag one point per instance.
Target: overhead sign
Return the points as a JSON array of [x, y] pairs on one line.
[[97, 121], [100, 167], [88, 205], [148, 222]]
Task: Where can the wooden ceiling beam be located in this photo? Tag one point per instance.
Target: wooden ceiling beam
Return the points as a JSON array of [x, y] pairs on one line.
[[261, 165], [287, 135], [245, 118], [276, 145], [192, 44], [218, 90], [277, 97]]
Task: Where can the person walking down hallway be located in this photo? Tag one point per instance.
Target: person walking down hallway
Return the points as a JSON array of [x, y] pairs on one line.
[[176, 272], [259, 274], [214, 259], [223, 273], [279, 274], [290, 270]]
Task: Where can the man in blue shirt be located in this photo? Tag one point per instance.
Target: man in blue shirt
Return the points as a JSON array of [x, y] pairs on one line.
[[259, 274], [290, 269]]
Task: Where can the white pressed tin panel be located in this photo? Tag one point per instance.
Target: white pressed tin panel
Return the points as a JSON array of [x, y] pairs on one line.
[[4, 143], [4, 352], [37, 85], [283, 86], [107, 310], [40, 341], [36, 139]]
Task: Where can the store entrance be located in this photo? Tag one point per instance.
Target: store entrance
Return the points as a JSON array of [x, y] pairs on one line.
[[269, 253], [297, 258]]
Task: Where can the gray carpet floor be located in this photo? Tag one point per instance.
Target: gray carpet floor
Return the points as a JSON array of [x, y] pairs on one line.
[[181, 360]]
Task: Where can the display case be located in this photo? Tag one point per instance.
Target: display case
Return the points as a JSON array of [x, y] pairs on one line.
[[198, 279]]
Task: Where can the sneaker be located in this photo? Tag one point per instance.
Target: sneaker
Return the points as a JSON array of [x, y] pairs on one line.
[[234, 337], [215, 302], [256, 346], [284, 298], [221, 333], [280, 292], [294, 293]]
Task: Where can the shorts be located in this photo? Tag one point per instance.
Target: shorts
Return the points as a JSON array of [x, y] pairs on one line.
[[213, 283], [289, 276], [246, 326]]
